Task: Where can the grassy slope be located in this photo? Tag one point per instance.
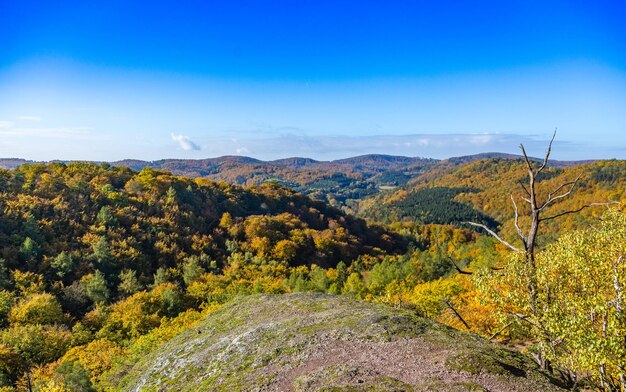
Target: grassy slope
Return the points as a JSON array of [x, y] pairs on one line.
[[308, 342]]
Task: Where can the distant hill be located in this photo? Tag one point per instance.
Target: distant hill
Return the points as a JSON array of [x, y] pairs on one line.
[[368, 164], [342, 183], [295, 162], [499, 155], [378, 161], [12, 163], [315, 342], [248, 171]]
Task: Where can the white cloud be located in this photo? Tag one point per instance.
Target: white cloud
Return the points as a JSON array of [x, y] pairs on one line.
[[185, 143], [242, 150], [423, 142], [481, 139], [6, 124], [29, 118]]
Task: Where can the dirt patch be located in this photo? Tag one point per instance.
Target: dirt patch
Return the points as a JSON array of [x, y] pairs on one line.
[[414, 362]]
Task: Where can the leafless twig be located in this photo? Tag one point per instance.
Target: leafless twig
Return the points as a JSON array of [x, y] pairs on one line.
[[449, 305], [519, 231], [577, 210], [496, 236], [552, 199]]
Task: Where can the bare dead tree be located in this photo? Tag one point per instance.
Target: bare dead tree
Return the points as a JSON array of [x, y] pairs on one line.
[[528, 237]]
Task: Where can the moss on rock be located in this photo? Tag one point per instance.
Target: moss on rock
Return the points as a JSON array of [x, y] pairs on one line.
[[318, 342]]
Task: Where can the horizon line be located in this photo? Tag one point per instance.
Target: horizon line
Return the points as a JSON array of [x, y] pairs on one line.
[[503, 155]]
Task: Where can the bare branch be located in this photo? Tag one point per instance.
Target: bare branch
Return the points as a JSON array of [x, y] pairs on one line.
[[551, 199], [466, 272], [577, 210], [528, 164], [449, 305], [455, 265], [452, 251], [522, 317], [524, 188], [545, 161], [496, 236], [498, 332], [459, 269], [519, 231], [563, 186]]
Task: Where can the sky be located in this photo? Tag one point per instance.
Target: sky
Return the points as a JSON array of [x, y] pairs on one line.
[[109, 80]]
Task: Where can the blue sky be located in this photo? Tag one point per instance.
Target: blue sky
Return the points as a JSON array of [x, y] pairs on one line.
[[324, 79]]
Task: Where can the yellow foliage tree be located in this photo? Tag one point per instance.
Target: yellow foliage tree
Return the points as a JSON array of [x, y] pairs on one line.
[[96, 356], [41, 308]]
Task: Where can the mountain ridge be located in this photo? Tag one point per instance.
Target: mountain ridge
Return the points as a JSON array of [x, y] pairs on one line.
[[10, 163], [341, 183]]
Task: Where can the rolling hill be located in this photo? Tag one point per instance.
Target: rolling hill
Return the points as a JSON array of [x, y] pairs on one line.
[[342, 182]]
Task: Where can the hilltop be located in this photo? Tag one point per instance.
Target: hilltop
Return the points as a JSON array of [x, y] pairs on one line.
[[312, 342]]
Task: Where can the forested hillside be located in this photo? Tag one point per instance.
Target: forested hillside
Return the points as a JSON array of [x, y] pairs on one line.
[[342, 183], [77, 237], [155, 219], [480, 191], [100, 264]]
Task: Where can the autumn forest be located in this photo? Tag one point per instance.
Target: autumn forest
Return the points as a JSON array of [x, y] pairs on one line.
[[101, 264]]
